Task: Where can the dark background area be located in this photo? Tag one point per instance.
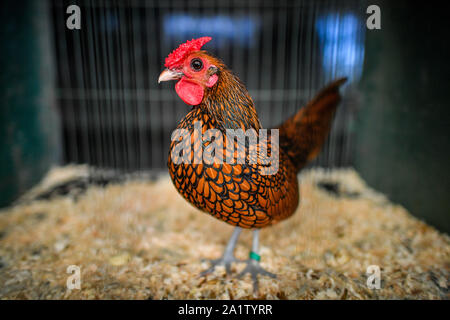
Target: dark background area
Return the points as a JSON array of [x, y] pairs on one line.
[[404, 120], [91, 95]]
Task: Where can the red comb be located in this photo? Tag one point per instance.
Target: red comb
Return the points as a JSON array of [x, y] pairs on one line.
[[184, 49]]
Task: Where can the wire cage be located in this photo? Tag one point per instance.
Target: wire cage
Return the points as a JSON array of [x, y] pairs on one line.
[[115, 115]]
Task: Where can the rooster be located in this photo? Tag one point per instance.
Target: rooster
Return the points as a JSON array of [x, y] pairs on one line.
[[240, 193]]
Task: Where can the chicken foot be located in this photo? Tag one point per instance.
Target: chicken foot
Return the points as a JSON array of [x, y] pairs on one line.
[[227, 257], [253, 266]]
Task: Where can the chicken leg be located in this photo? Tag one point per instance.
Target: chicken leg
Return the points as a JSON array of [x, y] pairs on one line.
[[227, 257], [253, 266]]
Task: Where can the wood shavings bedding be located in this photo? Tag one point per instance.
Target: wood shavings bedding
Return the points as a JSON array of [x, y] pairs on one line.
[[138, 239]]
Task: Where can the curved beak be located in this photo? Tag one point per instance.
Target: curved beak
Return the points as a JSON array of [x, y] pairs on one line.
[[169, 74]]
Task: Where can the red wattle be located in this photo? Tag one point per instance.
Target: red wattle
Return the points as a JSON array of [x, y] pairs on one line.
[[189, 91]]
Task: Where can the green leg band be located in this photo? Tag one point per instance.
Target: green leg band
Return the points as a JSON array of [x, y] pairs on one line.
[[254, 256]]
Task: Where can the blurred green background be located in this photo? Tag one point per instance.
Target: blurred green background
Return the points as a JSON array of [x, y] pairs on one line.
[[29, 125], [403, 126]]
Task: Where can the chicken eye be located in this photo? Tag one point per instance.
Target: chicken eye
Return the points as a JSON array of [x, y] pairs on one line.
[[196, 64]]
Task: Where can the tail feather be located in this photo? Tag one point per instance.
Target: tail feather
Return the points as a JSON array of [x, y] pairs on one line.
[[303, 134]]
